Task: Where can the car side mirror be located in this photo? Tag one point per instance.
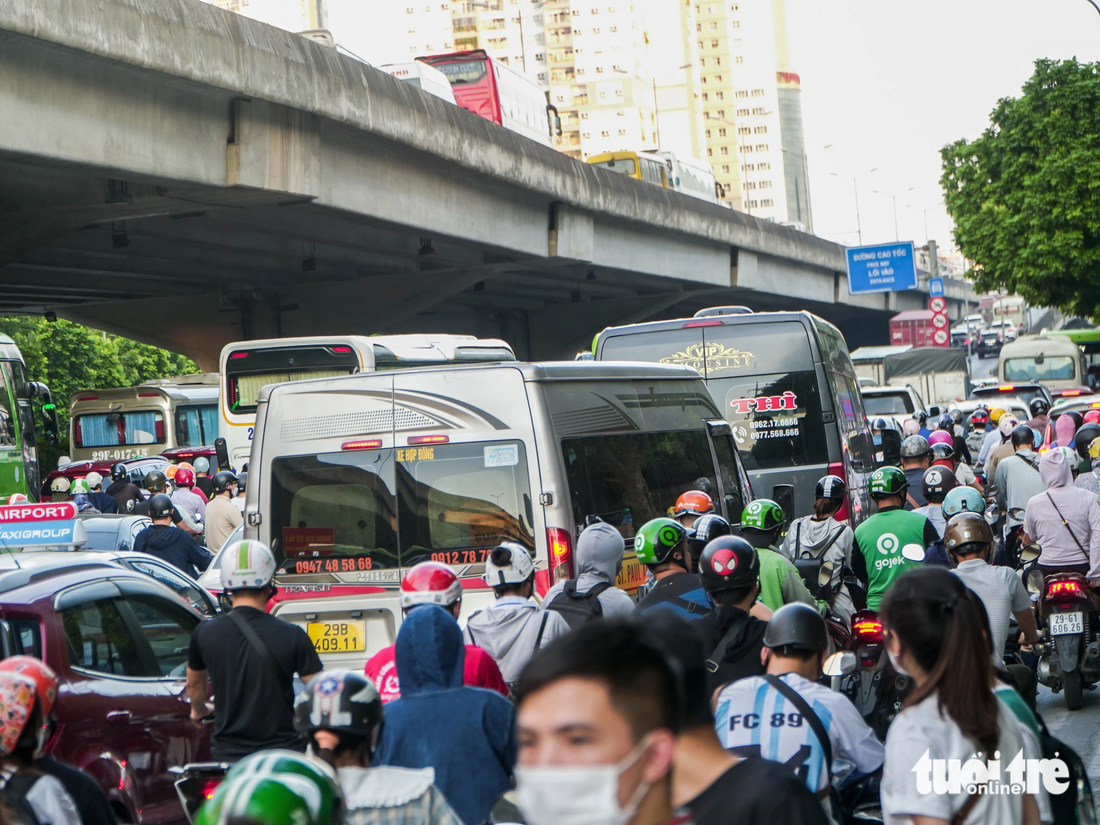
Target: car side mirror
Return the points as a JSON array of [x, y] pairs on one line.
[[913, 552], [891, 448], [840, 664]]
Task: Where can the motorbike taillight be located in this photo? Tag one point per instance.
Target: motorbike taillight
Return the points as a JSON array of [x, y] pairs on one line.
[[208, 787], [867, 629], [1064, 591]]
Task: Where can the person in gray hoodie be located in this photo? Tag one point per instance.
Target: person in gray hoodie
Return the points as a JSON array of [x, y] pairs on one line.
[[514, 627], [599, 556]]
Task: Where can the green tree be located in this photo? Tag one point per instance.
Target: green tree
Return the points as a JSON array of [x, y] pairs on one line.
[[1025, 196]]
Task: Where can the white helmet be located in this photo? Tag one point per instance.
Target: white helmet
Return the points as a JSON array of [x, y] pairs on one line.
[[247, 565], [509, 563], [94, 480], [60, 485]]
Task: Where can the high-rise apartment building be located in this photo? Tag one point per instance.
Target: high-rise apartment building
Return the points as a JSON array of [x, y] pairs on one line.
[[292, 15], [752, 108]]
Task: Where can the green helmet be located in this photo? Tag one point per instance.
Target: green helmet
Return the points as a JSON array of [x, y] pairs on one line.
[[657, 539], [80, 486], [283, 763], [268, 799], [888, 481], [762, 514]]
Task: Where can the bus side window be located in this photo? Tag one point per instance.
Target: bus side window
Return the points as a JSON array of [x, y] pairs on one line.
[[7, 421]]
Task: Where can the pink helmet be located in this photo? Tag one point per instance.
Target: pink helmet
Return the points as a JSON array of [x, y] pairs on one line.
[[910, 427], [941, 437]]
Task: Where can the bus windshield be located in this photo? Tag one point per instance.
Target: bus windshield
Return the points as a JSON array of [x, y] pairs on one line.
[[376, 509], [249, 371], [1051, 368], [624, 166], [460, 72]]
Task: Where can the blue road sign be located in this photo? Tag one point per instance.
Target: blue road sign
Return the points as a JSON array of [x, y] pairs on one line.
[[935, 287], [884, 268]]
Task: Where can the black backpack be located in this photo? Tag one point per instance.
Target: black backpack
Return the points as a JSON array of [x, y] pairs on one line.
[[1075, 806], [14, 795], [576, 608]]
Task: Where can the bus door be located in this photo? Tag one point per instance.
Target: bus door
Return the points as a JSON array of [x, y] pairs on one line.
[[13, 477]]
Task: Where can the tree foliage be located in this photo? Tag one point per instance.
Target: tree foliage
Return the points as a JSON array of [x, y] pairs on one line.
[[69, 357], [1025, 196]]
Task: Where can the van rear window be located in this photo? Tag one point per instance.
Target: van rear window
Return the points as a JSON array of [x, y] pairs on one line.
[[375, 509], [118, 429], [898, 403]]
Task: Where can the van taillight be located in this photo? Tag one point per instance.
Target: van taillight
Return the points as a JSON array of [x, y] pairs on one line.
[[78, 436], [837, 469], [560, 550]]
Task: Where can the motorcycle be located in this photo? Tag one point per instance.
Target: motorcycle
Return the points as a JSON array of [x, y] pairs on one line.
[[1069, 655], [197, 782]]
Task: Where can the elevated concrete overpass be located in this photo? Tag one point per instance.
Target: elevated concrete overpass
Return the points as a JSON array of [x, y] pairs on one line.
[[185, 176]]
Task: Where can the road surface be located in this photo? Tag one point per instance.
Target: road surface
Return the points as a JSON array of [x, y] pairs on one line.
[[1080, 729]]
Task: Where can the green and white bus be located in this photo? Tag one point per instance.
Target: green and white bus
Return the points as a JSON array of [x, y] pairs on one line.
[[20, 398]]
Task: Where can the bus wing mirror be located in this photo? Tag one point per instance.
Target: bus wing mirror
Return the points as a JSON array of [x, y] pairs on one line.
[[222, 452]]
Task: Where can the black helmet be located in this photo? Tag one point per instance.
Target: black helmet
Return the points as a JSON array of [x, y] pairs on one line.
[[160, 506], [221, 481], [1038, 406], [703, 485], [942, 451], [241, 478], [342, 701], [1023, 435], [938, 481], [796, 625], [1085, 435], [155, 481], [119, 473], [705, 530], [728, 563], [831, 487]]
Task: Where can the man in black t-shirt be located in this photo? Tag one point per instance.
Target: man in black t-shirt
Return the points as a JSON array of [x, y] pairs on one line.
[[251, 658], [156, 483], [748, 791]]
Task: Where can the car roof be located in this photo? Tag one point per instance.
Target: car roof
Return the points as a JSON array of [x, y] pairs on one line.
[[33, 576]]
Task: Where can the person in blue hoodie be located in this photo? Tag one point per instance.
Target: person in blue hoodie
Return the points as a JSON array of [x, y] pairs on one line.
[[468, 735], [169, 543]]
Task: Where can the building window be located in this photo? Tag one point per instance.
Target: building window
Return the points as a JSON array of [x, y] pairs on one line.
[[726, 187], [753, 204], [603, 95], [725, 169], [749, 184], [722, 132], [712, 26], [735, 24], [410, 10], [586, 135], [710, 153], [761, 147], [599, 70], [741, 93], [765, 184], [739, 59], [760, 110], [706, 96], [614, 29], [742, 112], [718, 78], [721, 114], [707, 133], [596, 30], [760, 130], [714, 45], [757, 92], [605, 133], [719, 95], [622, 132], [725, 150], [584, 115], [698, 27], [744, 130], [767, 202], [746, 149], [747, 167], [618, 93], [763, 166]]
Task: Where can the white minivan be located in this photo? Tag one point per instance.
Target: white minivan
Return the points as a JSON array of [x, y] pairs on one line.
[[355, 479]]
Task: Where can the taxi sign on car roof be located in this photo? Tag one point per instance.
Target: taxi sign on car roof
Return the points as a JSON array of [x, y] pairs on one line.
[[45, 511]]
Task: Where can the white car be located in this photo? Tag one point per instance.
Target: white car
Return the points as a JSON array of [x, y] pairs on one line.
[[1007, 330]]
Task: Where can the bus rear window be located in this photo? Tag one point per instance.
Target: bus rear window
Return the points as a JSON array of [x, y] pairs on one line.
[[898, 403], [1051, 368], [247, 371], [465, 71], [244, 390], [118, 429], [375, 509]]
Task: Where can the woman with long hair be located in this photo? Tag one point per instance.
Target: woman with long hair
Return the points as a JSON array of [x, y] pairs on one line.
[[933, 626]]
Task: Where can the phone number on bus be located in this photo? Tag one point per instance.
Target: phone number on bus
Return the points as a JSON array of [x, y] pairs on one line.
[[118, 455], [333, 565], [462, 556]]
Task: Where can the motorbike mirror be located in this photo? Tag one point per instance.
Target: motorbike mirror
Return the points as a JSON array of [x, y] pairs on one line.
[[840, 664], [1017, 512], [991, 515], [1030, 553], [913, 552], [1035, 583], [991, 492], [825, 574]]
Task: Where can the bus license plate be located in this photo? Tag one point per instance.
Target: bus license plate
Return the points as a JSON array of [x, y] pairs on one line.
[[1063, 623], [337, 637]]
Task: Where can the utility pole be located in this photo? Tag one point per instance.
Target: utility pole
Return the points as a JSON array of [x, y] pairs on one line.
[[859, 226]]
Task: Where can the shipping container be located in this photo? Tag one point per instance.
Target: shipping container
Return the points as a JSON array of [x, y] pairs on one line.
[[913, 327]]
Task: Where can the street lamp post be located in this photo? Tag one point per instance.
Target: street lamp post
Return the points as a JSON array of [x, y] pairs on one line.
[[744, 161], [895, 197], [656, 107], [855, 189], [522, 44]]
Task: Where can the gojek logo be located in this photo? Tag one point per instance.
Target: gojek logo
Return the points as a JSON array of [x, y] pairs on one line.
[[991, 778], [888, 544]]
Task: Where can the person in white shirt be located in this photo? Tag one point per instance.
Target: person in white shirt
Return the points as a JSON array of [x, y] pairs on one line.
[[934, 630], [783, 715]]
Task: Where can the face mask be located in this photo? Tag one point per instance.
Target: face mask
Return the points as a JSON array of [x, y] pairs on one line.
[[896, 662], [577, 795]]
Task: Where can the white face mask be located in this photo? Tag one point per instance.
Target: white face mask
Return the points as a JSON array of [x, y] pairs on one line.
[[895, 660], [577, 795]]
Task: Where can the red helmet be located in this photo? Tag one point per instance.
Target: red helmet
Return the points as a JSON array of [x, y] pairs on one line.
[[1092, 417], [980, 416], [693, 503], [45, 680], [185, 477], [17, 498], [17, 694], [430, 583]]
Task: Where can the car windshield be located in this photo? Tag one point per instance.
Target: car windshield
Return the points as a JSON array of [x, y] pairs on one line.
[[888, 404], [1024, 393], [624, 166], [1057, 368]]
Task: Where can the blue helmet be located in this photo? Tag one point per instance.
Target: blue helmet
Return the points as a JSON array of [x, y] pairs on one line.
[[962, 500]]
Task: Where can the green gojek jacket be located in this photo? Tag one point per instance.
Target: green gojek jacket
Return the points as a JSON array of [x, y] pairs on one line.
[[780, 583]]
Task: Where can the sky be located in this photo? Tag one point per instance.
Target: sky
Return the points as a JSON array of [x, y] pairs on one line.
[[888, 83]]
